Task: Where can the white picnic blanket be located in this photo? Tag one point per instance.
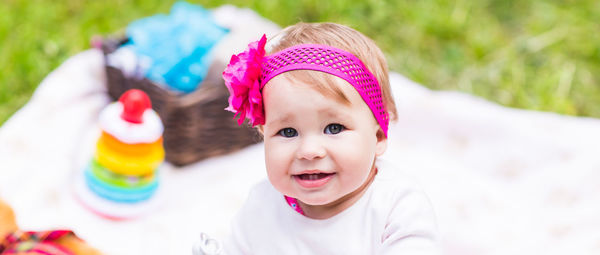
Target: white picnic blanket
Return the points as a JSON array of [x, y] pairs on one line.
[[502, 181]]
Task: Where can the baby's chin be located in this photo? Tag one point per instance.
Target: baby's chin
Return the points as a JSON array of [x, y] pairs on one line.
[[316, 200], [312, 198]]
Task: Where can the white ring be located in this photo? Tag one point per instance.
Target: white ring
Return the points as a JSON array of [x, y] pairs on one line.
[[150, 130]]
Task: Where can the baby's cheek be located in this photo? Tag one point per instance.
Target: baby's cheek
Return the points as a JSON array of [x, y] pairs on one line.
[[358, 158], [277, 160]]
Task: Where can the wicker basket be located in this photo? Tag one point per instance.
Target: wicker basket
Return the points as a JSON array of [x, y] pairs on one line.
[[196, 124]]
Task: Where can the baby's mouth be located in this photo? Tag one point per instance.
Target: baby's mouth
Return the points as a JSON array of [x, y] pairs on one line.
[[313, 177], [313, 180]]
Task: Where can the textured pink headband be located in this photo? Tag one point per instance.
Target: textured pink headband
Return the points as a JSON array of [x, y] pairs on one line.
[[248, 72]]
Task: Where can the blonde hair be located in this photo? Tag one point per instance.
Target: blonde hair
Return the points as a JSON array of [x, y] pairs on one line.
[[341, 37]]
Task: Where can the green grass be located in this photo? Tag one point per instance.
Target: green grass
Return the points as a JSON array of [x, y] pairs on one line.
[[541, 55]]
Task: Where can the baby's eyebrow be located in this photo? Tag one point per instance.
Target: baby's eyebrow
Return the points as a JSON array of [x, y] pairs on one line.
[[333, 114], [284, 119]]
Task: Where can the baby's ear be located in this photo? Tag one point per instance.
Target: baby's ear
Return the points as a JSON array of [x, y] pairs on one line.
[[381, 145]]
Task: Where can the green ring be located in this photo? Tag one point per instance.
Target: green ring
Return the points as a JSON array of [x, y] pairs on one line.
[[123, 181]]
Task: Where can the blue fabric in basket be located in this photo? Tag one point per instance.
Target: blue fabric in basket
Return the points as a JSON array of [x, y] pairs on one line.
[[176, 46]]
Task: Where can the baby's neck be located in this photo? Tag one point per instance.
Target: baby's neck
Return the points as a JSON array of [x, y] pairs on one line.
[[326, 211]]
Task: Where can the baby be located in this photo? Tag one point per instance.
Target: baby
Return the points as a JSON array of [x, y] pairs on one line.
[[321, 97]]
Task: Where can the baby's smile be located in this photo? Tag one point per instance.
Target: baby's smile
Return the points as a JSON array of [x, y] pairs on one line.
[[313, 179]]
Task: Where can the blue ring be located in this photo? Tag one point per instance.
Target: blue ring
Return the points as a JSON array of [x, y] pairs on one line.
[[117, 194]]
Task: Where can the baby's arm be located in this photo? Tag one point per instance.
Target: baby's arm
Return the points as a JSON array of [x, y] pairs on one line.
[[246, 222], [235, 243], [411, 226]]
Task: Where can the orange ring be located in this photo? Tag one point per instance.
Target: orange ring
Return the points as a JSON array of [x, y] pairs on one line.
[[129, 149]]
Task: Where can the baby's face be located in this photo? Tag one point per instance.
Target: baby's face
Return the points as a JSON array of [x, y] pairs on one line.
[[318, 149]]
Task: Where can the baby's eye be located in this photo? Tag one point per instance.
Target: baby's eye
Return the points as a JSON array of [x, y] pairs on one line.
[[288, 132], [333, 129]]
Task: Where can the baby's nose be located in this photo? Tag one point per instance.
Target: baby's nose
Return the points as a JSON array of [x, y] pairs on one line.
[[311, 147]]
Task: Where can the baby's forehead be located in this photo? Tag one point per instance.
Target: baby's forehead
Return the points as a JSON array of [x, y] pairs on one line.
[[330, 86], [290, 115]]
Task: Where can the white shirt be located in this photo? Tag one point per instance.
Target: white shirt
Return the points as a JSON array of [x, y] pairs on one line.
[[392, 217]]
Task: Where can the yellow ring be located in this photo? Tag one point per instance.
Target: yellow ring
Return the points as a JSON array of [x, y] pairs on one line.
[[133, 165]]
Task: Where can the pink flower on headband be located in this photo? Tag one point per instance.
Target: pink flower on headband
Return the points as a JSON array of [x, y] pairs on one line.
[[241, 78]]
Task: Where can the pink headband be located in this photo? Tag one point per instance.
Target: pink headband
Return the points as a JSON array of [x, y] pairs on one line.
[[248, 72]]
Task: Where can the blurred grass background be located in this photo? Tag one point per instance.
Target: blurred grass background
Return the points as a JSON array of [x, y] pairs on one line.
[[540, 55]]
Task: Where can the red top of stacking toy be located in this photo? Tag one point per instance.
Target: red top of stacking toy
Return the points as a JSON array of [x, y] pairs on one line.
[[135, 102]]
